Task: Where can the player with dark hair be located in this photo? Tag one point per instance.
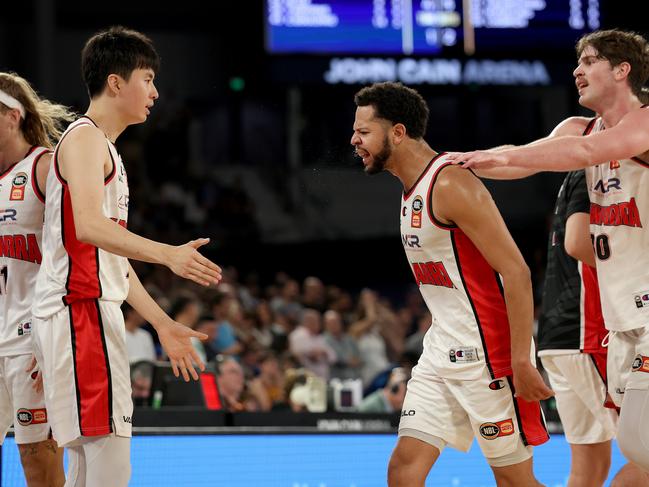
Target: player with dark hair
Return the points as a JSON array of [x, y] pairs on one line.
[[475, 377], [85, 274]]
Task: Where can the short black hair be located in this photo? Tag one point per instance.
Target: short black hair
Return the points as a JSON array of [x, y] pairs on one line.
[[117, 50], [397, 104]]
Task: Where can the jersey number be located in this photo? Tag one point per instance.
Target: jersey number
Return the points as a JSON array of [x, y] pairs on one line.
[[601, 246], [3, 280]]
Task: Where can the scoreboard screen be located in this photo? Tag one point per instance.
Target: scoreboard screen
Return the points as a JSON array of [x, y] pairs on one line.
[[426, 27]]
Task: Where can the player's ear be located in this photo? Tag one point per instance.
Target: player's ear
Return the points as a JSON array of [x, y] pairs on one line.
[[622, 70], [114, 82], [398, 132]]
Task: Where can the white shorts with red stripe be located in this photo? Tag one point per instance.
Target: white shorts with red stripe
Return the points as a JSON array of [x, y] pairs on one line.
[[459, 410], [20, 404], [628, 362], [579, 384], [82, 353]]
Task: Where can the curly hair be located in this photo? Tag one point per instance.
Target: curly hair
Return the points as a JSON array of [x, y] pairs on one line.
[[618, 46], [397, 104]]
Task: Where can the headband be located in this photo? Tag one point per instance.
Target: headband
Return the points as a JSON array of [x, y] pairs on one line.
[[11, 102]]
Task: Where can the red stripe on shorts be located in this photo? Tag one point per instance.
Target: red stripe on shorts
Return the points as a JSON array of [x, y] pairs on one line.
[[531, 423], [91, 369]]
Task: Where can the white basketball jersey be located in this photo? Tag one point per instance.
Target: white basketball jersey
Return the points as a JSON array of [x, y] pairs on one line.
[[74, 270], [21, 225], [619, 209], [462, 291]]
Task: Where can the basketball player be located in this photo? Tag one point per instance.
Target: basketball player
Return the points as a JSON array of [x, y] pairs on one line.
[[570, 336], [475, 376], [612, 68], [29, 126], [85, 274]]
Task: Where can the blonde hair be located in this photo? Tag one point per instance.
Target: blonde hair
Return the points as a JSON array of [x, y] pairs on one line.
[[44, 121]]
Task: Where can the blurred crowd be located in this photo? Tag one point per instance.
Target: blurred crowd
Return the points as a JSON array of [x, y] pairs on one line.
[[270, 341]]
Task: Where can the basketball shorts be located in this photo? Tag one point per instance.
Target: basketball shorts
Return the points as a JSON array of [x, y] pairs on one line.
[[578, 381], [20, 404], [628, 362], [456, 411], [82, 353]]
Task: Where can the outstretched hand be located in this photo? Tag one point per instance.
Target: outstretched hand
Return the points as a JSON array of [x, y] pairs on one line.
[[480, 159], [529, 385], [175, 338], [186, 261]]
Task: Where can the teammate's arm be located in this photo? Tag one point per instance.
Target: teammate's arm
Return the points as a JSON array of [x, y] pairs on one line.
[[174, 337], [571, 126], [577, 238], [461, 198], [84, 162]]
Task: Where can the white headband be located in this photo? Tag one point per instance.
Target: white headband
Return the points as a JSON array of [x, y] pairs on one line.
[[11, 102]]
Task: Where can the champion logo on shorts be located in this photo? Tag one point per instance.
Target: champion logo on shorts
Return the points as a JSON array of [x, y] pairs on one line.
[[31, 416], [491, 431], [640, 364]]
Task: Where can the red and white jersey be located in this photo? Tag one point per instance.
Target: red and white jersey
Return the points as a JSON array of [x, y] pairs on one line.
[[619, 220], [21, 226], [74, 270], [462, 291]]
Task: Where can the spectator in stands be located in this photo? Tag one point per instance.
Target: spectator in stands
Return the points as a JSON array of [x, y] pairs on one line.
[[268, 386], [367, 333], [415, 342], [310, 347], [348, 361], [139, 342], [231, 383], [313, 294], [288, 302], [388, 399], [225, 341]]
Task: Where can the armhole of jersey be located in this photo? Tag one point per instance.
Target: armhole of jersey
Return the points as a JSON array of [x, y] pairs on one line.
[[429, 200], [37, 190], [640, 161], [112, 172], [56, 150]]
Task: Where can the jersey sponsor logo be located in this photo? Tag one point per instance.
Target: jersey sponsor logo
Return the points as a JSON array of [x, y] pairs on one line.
[[417, 206], [641, 299], [21, 247], [410, 241], [463, 354], [119, 221], [31, 416], [491, 431], [640, 364], [122, 202], [407, 412], [614, 165], [624, 213], [18, 187], [431, 273], [606, 186], [496, 385], [8, 214], [25, 329]]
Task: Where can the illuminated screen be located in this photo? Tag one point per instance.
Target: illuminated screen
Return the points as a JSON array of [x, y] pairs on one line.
[[300, 461], [426, 26]]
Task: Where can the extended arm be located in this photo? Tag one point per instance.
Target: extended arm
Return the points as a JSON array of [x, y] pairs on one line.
[[84, 162], [496, 164], [461, 198], [174, 337]]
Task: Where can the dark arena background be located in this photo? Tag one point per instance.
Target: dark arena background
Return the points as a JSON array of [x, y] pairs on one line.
[[249, 145]]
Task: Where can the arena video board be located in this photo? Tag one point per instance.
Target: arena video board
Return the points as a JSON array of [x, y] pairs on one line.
[[426, 27]]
